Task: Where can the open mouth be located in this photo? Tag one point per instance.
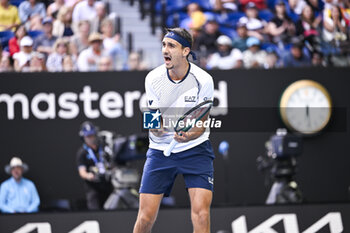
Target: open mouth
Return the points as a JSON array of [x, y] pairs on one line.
[[167, 59]]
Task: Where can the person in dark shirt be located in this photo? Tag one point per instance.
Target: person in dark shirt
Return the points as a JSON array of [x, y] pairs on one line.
[[44, 42], [281, 28], [308, 28], [296, 57], [93, 163], [207, 40]]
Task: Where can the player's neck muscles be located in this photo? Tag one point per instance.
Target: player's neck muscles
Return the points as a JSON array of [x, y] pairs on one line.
[[179, 73]]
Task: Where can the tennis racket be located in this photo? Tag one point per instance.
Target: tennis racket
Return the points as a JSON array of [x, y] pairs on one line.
[[188, 120]]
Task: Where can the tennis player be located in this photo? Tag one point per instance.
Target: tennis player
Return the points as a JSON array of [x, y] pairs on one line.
[[181, 85]]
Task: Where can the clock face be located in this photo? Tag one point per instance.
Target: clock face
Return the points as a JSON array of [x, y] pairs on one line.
[[305, 107]]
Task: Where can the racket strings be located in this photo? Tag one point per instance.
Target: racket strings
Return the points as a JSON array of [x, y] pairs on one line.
[[187, 122]]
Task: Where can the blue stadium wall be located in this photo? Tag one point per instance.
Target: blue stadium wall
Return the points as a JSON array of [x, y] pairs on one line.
[[45, 134]]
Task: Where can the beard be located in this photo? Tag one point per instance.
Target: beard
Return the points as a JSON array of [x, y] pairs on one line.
[[170, 68]]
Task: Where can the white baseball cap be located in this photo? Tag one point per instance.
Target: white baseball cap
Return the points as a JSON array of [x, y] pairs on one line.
[[224, 40], [26, 41]]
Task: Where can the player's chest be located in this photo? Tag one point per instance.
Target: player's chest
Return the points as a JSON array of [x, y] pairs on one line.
[[180, 95]]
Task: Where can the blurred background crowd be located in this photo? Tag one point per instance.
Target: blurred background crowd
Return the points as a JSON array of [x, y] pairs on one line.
[[268, 33], [84, 35], [62, 35]]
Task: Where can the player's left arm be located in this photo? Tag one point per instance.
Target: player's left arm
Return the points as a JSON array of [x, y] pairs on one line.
[[192, 134]]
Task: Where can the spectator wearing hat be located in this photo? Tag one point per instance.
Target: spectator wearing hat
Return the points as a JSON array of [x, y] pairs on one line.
[[88, 58], [9, 16], [18, 194], [44, 42], [29, 8], [281, 27], [22, 58], [240, 42], [254, 57], [255, 25], [296, 57], [225, 58]]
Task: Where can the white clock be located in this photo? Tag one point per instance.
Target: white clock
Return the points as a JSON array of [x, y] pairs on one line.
[[306, 107]]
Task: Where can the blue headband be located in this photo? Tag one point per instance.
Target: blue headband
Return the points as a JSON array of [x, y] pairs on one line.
[[182, 41]]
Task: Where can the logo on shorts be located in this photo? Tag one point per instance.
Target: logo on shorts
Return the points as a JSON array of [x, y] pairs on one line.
[[151, 120], [211, 180]]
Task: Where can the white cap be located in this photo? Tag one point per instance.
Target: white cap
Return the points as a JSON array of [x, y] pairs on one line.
[[224, 40], [26, 41]]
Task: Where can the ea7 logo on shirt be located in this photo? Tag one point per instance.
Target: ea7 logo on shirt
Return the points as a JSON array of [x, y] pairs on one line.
[[190, 98], [151, 120]]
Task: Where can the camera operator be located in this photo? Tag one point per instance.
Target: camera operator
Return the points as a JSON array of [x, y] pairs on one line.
[[93, 164], [281, 163]]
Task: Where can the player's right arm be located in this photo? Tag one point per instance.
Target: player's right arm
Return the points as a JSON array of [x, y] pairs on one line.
[[81, 163], [158, 132]]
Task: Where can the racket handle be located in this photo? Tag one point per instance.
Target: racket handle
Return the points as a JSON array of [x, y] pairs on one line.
[[171, 146]]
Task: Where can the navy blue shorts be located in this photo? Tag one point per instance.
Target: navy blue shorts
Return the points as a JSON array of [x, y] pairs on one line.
[[195, 164]]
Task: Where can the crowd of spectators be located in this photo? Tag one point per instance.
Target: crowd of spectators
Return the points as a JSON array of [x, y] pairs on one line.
[[267, 33], [81, 35], [61, 36]]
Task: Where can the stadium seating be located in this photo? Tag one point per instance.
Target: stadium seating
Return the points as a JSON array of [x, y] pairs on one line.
[[5, 36], [35, 33], [16, 2]]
